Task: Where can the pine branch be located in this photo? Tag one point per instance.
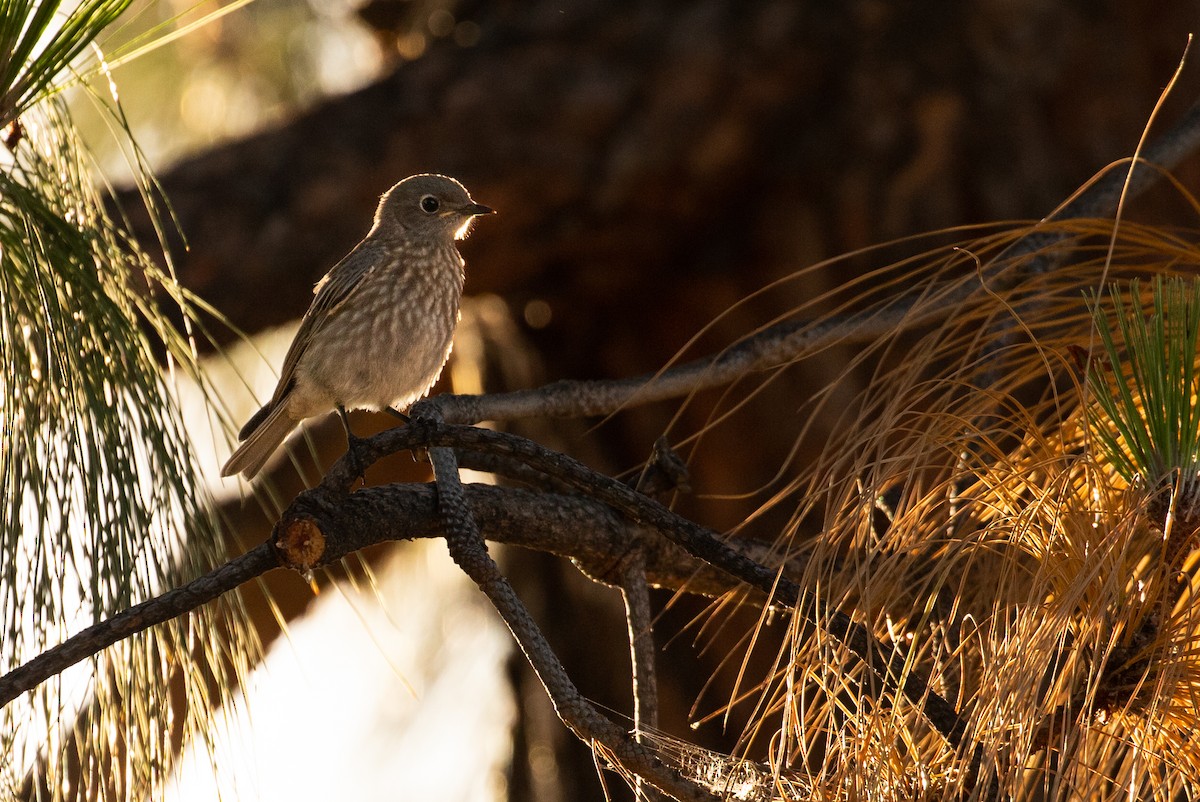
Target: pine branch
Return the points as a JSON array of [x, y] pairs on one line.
[[324, 524], [572, 527]]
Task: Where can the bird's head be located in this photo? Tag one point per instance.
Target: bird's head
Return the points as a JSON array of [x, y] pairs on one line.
[[428, 206]]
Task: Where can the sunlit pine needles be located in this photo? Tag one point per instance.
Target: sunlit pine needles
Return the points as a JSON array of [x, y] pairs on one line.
[[968, 513], [102, 501]]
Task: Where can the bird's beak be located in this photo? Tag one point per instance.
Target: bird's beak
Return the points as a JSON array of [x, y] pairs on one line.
[[467, 213]]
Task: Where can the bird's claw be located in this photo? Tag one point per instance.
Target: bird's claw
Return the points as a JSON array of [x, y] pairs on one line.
[[354, 452], [395, 413]]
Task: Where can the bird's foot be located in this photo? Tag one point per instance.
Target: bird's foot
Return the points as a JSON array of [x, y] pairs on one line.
[[355, 452], [420, 413]]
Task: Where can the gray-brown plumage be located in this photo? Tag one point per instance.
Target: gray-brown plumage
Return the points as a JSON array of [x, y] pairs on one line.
[[382, 323]]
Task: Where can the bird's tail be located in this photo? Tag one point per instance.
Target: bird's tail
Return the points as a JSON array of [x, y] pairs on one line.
[[261, 435]]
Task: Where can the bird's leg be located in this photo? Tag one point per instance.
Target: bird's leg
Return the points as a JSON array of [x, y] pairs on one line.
[[395, 413], [353, 443], [350, 438]]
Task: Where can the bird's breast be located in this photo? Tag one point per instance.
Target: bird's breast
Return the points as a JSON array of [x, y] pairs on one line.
[[387, 344]]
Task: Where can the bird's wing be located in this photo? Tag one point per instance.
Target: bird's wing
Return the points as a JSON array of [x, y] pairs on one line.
[[331, 292]]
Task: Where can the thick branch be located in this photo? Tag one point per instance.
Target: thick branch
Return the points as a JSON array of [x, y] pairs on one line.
[[575, 527], [582, 530]]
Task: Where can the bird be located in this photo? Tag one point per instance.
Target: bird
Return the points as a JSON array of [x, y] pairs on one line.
[[381, 324]]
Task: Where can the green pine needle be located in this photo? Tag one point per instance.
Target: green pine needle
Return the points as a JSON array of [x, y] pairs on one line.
[[1145, 385], [38, 43]]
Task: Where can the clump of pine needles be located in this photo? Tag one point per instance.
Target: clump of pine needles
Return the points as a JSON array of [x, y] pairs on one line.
[[1146, 417], [987, 508], [102, 503]]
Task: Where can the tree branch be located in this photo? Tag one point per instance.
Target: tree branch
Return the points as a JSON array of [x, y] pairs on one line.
[[584, 531], [129, 622], [698, 541], [641, 643], [406, 511], [639, 620]]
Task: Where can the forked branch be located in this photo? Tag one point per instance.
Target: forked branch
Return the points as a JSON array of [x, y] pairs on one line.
[[469, 551]]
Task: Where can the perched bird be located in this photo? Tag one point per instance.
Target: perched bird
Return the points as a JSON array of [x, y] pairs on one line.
[[382, 323]]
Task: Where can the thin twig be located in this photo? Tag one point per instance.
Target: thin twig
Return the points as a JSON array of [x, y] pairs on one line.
[[639, 618]]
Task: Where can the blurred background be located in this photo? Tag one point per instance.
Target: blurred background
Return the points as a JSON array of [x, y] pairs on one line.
[[652, 164]]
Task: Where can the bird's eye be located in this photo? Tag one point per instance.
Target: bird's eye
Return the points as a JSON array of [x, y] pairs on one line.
[[429, 204]]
